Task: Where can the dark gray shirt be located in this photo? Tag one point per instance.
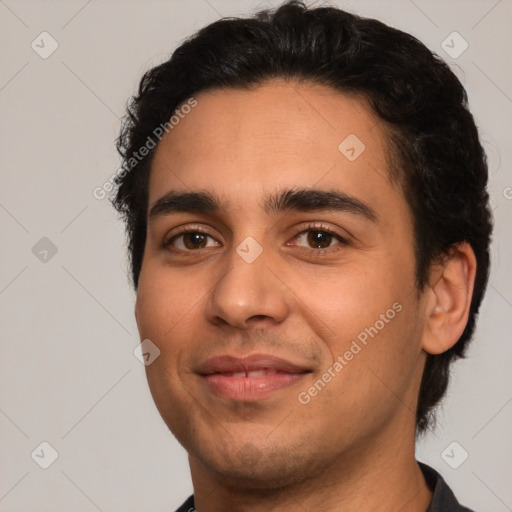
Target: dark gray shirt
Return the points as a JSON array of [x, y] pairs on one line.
[[443, 499]]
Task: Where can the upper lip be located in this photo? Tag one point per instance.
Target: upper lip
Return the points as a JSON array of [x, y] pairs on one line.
[[255, 362]]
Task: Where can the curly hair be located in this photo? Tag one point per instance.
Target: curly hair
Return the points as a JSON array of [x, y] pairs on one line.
[[433, 138]]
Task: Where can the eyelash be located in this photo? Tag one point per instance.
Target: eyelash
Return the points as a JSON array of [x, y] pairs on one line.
[[186, 230], [310, 227], [322, 229]]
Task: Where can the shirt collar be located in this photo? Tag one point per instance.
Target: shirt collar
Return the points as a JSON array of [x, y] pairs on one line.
[[443, 499]]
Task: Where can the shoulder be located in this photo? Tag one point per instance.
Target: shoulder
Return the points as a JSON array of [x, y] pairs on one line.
[[443, 499], [188, 506]]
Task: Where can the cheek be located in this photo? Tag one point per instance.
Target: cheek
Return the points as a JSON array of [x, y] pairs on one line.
[[168, 309], [366, 314], [164, 300], [352, 301], [371, 373], [164, 311]]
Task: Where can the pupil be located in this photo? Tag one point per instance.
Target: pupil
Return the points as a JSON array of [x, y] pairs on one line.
[[194, 240], [319, 239]]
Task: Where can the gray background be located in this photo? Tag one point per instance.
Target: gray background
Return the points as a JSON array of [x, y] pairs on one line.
[[68, 373]]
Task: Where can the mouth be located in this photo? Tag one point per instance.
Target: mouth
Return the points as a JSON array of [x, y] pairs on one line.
[[249, 374], [250, 378]]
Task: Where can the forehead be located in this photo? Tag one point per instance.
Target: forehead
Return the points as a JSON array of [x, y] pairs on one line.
[[240, 143]]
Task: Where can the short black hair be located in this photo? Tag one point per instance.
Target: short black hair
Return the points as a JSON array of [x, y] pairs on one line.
[[433, 137]]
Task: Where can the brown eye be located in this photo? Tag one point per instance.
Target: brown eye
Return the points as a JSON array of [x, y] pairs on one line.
[[191, 241], [194, 240], [319, 239]]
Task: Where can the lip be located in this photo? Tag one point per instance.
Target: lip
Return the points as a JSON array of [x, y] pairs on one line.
[[249, 378], [254, 362]]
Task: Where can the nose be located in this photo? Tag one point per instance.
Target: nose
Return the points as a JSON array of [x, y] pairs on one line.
[[248, 294]]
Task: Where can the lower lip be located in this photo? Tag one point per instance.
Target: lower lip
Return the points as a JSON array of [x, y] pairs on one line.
[[250, 388]]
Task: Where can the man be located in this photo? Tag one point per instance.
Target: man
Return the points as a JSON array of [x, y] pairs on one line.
[[308, 221]]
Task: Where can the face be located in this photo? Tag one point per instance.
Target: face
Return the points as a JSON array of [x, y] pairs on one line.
[[278, 283]]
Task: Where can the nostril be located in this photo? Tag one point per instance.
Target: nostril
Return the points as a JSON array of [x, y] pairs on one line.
[[258, 317]]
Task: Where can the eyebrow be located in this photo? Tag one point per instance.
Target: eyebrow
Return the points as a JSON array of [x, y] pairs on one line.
[[283, 201], [193, 202], [313, 199]]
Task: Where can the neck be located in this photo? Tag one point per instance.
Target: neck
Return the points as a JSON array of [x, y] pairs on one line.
[[380, 475]]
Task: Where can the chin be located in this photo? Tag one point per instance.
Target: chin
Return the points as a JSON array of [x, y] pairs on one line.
[[255, 466]]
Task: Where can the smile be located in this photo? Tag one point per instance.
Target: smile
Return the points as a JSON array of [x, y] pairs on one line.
[[250, 378]]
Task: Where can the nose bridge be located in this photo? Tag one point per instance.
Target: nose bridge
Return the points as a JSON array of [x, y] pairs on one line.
[[248, 291]]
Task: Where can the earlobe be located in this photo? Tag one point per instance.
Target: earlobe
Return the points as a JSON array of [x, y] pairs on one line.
[[448, 299]]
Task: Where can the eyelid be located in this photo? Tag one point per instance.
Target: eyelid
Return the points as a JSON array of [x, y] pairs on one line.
[[319, 252], [188, 228], [324, 228]]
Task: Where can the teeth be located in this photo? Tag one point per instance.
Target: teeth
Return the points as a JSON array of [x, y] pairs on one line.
[[252, 373], [260, 373]]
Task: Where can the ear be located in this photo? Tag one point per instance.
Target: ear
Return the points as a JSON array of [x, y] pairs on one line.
[[135, 312], [448, 299]]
